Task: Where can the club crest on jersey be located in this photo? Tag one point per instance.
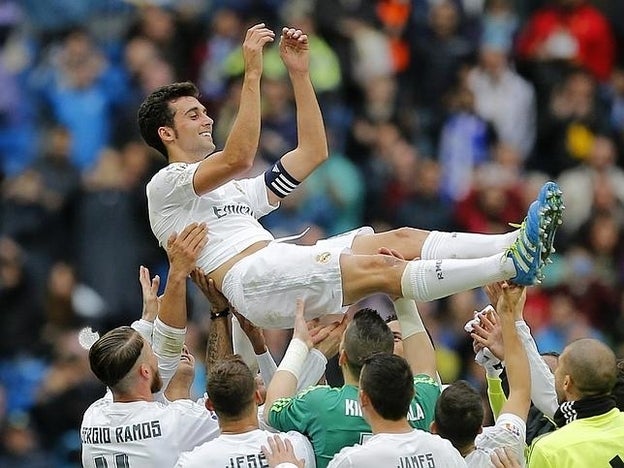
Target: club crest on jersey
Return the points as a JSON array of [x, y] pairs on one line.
[[323, 258]]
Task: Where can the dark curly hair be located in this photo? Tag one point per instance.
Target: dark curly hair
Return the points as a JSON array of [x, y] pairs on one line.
[[155, 112]]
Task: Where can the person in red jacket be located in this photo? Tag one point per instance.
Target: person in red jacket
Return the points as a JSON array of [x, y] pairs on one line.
[[570, 31]]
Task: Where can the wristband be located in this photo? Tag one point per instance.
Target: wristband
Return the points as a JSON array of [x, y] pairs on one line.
[[408, 316], [222, 313], [294, 358], [167, 341]]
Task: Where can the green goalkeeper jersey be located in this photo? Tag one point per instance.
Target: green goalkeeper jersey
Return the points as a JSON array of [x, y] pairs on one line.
[[332, 418]]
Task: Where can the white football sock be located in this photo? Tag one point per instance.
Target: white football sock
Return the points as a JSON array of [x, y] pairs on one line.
[[439, 244], [428, 280]]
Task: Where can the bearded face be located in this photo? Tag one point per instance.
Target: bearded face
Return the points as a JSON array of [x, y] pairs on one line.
[[157, 383]]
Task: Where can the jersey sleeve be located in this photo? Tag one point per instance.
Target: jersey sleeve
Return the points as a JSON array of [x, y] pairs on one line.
[[509, 431], [543, 394], [496, 395], [167, 343], [195, 426], [295, 413], [267, 366], [262, 424], [303, 448], [145, 328], [313, 369], [173, 185], [256, 191], [342, 459], [427, 391]]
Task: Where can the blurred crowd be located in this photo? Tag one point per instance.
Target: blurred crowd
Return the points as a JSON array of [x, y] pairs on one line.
[[441, 114]]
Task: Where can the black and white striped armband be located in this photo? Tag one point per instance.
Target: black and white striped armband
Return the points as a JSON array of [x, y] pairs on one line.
[[279, 181]]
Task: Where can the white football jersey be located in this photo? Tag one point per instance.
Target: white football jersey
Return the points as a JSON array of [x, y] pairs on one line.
[[413, 449], [143, 434], [243, 450], [230, 211], [509, 431]]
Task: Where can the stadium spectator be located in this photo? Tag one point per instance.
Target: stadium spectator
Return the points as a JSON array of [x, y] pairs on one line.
[[600, 168], [572, 32], [504, 98], [571, 116]]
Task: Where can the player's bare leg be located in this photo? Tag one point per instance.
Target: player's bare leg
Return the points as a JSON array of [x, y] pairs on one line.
[[421, 280], [414, 243]]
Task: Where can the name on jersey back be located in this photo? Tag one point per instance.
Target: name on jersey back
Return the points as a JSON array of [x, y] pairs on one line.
[[121, 434]]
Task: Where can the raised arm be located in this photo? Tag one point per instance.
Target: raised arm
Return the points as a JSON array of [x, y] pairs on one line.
[[516, 361], [311, 148], [170, 325], [284, 382], [182, 251], [219, 344], [543, 392], [486, 326], [151, 303], [417, 346], [242, 143]]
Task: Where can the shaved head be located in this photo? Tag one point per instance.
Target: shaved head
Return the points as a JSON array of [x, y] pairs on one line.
[[591, 367]]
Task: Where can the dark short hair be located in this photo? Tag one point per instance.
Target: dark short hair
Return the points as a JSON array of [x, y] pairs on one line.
[[388, 381], [459, 414], [231, 387], [365, 335], [112, 356], [155, 112]]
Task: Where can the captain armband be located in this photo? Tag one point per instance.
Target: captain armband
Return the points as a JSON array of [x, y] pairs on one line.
[[279, 181]]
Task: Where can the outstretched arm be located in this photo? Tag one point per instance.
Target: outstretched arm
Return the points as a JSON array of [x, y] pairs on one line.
[[516, 361], [543, 392], [179, 387], [170, 324], [488, 328], [219, 344], [182, 250], [417, 345], [151, 303], [311, 149], [284, 382], [242, 143]]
